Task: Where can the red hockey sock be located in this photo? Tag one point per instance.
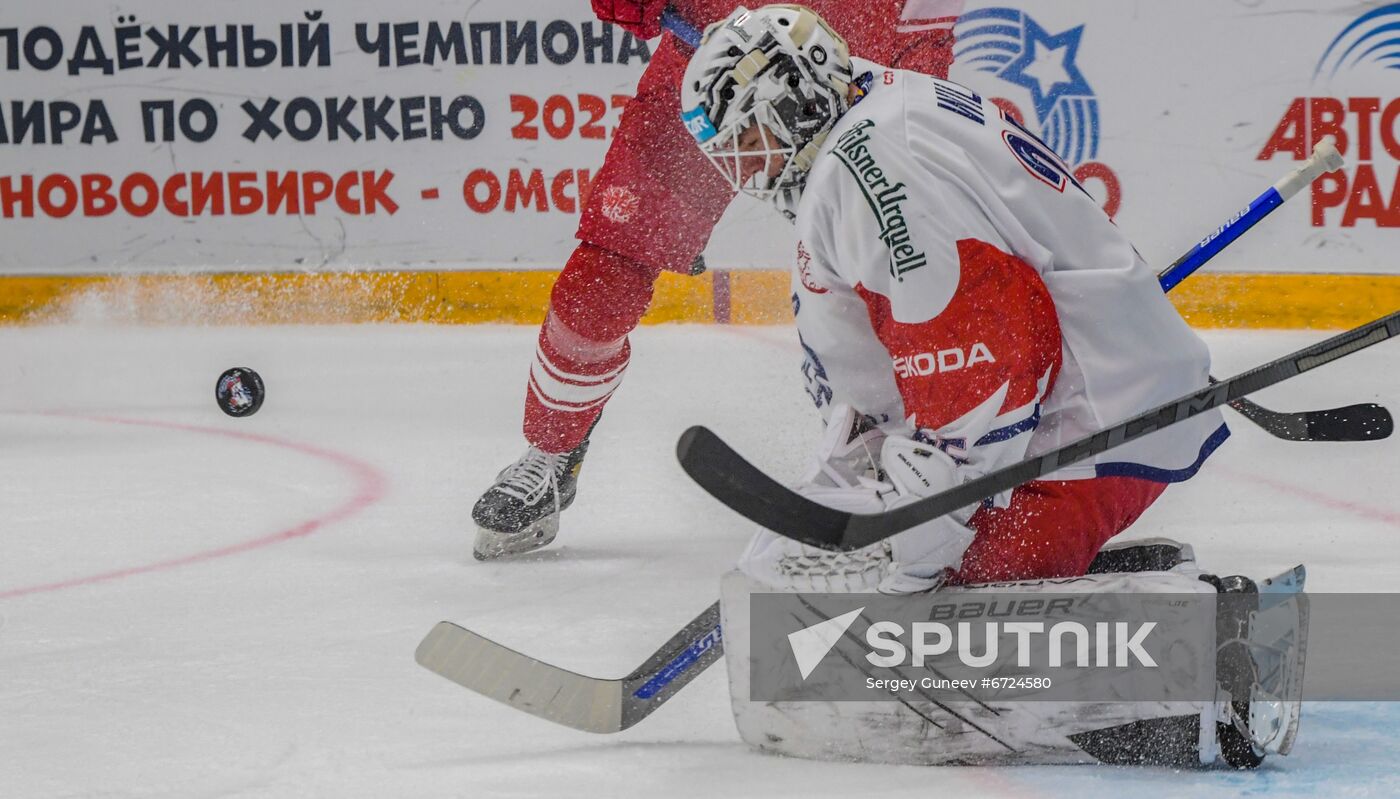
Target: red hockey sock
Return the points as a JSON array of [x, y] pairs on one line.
[[583, 351]]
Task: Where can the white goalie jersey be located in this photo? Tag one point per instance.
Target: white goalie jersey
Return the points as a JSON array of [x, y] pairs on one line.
[[951, 271]]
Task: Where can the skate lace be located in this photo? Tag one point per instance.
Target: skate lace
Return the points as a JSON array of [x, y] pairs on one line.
[[535, 473]]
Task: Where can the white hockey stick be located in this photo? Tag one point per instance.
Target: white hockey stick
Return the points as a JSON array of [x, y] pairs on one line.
[[591, 704]]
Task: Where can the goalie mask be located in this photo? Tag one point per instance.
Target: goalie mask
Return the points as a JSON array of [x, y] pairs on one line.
[[761, 94]]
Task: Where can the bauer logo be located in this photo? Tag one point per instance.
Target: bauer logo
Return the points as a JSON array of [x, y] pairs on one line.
[[1048, 641], [1354, 99], [1005, 51]]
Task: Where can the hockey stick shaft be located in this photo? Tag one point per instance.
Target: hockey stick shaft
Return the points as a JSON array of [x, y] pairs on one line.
[[672, 21], [1366, 422], [753, 494], [1325, 158], [874, 528]]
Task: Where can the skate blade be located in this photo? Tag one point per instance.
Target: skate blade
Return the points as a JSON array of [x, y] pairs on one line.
[[491, 544]]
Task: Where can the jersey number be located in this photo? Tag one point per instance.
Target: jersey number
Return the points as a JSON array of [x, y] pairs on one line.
[[1038, 159]]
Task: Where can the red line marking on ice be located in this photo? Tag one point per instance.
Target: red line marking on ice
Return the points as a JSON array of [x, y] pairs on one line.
[[371, 486], [1317, 497]]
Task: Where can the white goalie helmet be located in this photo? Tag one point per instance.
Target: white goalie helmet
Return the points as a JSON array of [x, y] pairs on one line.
[[762, 92]]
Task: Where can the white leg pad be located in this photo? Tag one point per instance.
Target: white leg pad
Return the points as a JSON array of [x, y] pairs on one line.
[[922, 733]]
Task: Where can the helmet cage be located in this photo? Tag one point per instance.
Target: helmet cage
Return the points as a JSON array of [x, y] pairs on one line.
[[747, 168], [789, 108], [765, 88]]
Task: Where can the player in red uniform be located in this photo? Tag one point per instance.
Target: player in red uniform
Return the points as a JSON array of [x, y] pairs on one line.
[[651, 209]]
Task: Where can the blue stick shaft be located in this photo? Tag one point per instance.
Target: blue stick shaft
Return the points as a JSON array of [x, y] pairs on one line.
[[1223, 237], [672, 21], [1325, 158]]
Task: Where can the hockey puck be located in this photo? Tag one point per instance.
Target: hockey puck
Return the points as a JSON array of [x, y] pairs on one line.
[[239, 392]]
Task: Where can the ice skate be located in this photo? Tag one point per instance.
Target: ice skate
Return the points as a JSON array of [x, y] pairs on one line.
[[520, 513], [1263, 631]]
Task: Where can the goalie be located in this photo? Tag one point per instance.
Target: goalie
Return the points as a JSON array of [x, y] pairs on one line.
[[961, 292], [963, 303]]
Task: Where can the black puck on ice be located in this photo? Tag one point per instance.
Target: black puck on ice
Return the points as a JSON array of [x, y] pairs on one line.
[[239, 392]]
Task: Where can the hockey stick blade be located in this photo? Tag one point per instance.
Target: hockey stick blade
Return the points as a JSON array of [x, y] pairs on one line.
[[738, 484], [590, 704], [1353, 423], [751, 493], [1364, 422]]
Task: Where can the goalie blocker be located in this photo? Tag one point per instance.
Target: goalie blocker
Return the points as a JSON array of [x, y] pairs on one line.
[[1255, 666]]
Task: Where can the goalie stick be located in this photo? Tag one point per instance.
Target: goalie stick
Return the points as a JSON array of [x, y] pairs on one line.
[[591, 704], [734, 481]]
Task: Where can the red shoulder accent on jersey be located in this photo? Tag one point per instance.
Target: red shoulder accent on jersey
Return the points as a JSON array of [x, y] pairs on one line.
[[1000, 327]]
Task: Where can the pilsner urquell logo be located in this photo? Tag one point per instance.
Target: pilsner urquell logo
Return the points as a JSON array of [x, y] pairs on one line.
[[884, 198]]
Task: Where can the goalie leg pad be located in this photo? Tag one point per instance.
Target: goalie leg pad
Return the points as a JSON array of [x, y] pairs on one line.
[[1171, 733], [1009, 733]]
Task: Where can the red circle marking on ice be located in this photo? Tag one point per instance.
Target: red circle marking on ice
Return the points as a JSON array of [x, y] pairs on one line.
[[371, 485]]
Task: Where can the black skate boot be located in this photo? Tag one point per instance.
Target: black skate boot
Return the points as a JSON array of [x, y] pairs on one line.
[[520, 513]]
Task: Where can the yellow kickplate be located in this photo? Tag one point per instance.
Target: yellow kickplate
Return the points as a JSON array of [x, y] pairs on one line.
[[1285, 301]]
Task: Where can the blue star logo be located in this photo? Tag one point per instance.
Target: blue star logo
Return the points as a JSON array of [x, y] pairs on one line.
[[1046, 67]]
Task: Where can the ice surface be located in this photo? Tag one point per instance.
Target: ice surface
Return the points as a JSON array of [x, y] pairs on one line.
[[193, 605]]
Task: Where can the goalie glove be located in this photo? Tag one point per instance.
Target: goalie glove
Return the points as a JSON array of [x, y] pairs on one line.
[[924, 557], [844, 475], [787, 565], [849, 450], [641, 18], [847, 476]]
